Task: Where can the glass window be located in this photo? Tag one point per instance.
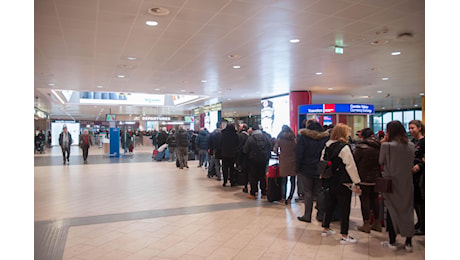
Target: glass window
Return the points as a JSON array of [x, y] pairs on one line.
[[398, 116], [387, 117], [418, 115], [377, 122], [408, 116]]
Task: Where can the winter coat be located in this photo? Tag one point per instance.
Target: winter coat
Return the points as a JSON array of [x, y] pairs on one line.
[[310, 144], [161, 138], [229, 144], [258, 147], [366, 155], [241, 158], [202, 140], [286, 143], [214, 143], [397, 160], [61, 137], [182, 138], [171, 141]]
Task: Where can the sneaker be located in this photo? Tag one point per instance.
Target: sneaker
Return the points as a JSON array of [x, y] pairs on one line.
[[348, 240], [409, 248], [390, 246], [328, 232]]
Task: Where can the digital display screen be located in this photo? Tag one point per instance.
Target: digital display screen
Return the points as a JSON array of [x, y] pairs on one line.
[[110, 118]]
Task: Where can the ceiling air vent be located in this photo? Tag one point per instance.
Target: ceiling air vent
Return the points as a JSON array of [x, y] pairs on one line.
[[405, 35], [158, 11]]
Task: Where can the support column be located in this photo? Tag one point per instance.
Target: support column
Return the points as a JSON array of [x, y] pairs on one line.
[[297, 98]]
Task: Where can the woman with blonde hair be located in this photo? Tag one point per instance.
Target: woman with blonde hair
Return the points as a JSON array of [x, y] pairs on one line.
[[343, 181]]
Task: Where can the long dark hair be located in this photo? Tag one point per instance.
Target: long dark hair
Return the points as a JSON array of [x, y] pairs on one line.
[[287, 132], [397, 132]]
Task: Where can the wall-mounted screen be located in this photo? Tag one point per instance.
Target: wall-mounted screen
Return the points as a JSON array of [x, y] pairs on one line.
[[110, 118]]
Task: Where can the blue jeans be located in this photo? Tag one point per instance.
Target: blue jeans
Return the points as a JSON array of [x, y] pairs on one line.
[[203, 157]]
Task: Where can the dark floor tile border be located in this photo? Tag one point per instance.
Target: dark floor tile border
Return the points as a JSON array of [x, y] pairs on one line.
[[50, 236]]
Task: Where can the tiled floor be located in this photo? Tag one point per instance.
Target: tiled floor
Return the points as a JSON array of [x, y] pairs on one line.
[[137, 208]]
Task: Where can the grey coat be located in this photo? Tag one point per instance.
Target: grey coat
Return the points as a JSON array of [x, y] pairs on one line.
[[397, 160]]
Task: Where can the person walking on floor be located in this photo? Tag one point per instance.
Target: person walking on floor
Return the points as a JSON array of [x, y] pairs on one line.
[[366, 156], [229, 149], [85, 142], [285, 148], [65, 141], [417, 130], [258, 148], [310, 143], [344, 180], [182, 147], [397, 157]]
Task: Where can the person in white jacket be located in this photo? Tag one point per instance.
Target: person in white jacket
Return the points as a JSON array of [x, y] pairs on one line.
[[343, 182]]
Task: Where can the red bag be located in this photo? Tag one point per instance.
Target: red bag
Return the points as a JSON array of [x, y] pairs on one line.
[[155, 152], [273, 171]]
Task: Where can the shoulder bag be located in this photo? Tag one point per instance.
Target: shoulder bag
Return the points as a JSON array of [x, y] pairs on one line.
[[384, 184]]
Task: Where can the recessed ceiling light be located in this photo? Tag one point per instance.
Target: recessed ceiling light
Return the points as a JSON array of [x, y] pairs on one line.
[[121, 76], [203, 81], [151, 23], [422, 94], [51, 84], [183, 90], [157, 89], [229, 99], [383, 107], [131, 58], [415, 105], [379, 91], [319, 73], [100, 86], [330, 89], [395, 53], [236, 67], [384, 78], [294, 40]]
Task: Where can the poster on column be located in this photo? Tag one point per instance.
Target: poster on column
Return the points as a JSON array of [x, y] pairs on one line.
[[274, 114]]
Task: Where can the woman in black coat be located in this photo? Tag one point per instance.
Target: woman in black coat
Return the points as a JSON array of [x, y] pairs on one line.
[[229, 149]]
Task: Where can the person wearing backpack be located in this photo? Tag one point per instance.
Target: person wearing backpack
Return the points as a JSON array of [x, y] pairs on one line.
[[344, 180], [258, 148]]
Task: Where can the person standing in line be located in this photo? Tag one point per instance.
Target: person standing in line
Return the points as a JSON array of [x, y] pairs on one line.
[[366, 156], [202, 143], [285, 148], [214, 147], [397, 157], [310, 143], [417, 130], [182, 147], [344, 180], [258, 149], [65, 141], [172, 145], [85, 142], [162, 136], [229, 148], [242, 158]]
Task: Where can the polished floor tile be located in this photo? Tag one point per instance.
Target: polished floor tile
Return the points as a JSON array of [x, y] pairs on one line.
[[136, 208]]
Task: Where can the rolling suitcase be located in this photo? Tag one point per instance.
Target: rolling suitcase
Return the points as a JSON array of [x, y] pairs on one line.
[[274, 183], [159, 156]]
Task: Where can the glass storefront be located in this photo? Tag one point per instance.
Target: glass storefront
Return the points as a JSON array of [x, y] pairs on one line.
[[381, 119]]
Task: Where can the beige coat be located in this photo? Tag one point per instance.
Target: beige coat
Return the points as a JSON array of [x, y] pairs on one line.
[[286, 144]]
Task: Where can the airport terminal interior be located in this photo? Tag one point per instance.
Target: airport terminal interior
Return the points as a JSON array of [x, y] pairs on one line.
[[144, 65]]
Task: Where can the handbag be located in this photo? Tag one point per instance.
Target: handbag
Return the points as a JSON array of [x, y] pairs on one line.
[[383, 184]]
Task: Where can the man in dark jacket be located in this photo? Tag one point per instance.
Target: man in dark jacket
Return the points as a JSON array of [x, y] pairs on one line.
[[310, 143], [172, 145], [65, 141], [242, 158], [366, 156], [215, 150], [258, 148], [229, 148], [162, 136], [182, 147], [202, 143]]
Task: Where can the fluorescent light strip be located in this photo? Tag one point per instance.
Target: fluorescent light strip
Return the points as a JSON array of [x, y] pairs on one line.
[[58, 97]]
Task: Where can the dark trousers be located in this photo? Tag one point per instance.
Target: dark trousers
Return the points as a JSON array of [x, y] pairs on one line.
[[338, 195], [182, 155], [228, 167], [64, 151], [85, 152], [419, 206], [256, 176], [369, 201], [392, 233], [311, 188], [284, 184]]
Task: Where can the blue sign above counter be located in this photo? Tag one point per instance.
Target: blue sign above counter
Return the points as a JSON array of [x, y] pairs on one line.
[[365, 109]]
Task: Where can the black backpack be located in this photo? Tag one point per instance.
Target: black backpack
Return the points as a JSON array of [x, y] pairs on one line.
[[261, 151], [331, 165]]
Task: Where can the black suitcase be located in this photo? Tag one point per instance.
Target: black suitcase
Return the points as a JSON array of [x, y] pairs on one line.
[[211, 168], [238, 178], [321, 203], [274, 189]]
